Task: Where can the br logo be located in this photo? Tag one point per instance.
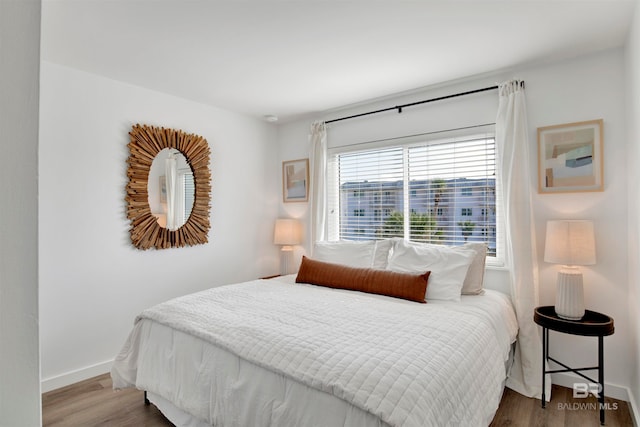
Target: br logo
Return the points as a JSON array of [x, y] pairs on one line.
[[582, 390]]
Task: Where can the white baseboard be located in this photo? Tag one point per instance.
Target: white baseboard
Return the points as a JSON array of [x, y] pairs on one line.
[[635, 414], [68, 378]]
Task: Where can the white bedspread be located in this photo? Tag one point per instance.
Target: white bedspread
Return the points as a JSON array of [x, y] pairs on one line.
[[407, 364]]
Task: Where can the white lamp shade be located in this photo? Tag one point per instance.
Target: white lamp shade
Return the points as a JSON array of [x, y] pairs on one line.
[[570, 242], [287, 232]]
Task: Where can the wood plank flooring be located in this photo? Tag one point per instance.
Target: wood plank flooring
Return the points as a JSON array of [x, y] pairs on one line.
[[93, 403], [562, 411]]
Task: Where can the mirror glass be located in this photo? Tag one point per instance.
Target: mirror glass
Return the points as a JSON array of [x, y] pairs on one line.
[[171, 189]]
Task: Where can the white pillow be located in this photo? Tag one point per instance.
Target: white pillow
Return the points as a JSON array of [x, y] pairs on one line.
[[352, 254], [381, 254], [474, 281], [448, 267]]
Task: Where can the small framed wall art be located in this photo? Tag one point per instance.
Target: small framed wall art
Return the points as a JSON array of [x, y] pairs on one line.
[[570, 157], [295, 180]]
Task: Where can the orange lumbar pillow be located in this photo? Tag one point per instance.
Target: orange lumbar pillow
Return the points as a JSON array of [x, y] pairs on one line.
[[390, 283]]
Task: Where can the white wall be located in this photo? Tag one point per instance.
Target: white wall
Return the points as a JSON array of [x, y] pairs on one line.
[[584, 88], [19, 355], [633, 179], [92, 281], [589, 88]]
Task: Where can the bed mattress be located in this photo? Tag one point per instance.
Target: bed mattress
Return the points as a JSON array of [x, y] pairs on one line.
[[275, 353]]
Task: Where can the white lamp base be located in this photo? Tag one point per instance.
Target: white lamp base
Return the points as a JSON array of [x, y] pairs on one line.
[[569, 294]]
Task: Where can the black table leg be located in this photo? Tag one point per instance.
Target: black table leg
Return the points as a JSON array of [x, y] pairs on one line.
[[545, 337], [601, 377]]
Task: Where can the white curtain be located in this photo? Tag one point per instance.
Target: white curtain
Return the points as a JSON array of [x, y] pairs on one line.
[[171, 179], [318, 204], [520, 247]]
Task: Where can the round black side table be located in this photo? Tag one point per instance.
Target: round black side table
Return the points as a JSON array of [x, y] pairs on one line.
[[592, 324]]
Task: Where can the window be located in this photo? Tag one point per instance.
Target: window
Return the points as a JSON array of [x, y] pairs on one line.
[[189, 188], [425, 185]]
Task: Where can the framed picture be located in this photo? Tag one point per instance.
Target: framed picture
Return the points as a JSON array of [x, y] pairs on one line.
[[570, 157], [295, 180]]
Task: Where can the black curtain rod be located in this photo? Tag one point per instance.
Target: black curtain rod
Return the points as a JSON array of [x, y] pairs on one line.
[[400, 107]]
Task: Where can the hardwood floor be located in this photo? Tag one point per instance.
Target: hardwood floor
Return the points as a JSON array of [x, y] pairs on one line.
[[562, 411], [93, 403]]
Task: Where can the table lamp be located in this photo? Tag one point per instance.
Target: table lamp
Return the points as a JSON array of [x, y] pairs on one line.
[[570, 243], [288, 232]]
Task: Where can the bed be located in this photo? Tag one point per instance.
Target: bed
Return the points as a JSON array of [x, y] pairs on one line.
[[280, 353]]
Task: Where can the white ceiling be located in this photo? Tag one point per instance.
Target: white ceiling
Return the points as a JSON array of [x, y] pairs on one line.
[[296, 57]]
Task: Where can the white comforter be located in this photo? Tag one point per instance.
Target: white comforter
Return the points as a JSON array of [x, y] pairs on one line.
[[407, 364]]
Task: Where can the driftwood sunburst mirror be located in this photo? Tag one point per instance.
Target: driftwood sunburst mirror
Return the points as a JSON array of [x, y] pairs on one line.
[[146, 229]]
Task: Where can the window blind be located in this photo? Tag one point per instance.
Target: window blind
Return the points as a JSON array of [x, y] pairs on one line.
[[189, 194], [434, 188]]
